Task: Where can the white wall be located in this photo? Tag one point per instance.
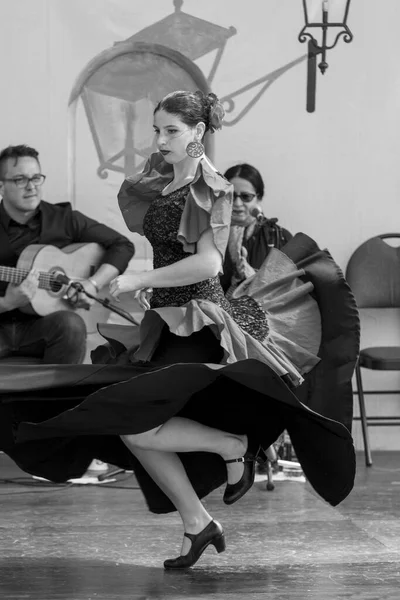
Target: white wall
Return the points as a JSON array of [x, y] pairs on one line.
[[333, 174]]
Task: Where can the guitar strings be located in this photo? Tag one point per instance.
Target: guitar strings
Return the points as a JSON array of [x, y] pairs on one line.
[[15, 275]]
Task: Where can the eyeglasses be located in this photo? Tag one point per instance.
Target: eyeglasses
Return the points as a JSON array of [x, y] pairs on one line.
[[22, 181], [244, 196]]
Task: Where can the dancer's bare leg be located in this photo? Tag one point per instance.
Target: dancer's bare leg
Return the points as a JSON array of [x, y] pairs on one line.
[[167, 470], [184, 435], [156, 450]]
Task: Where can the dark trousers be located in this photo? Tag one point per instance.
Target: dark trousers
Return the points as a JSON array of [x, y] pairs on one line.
[[57, 338]]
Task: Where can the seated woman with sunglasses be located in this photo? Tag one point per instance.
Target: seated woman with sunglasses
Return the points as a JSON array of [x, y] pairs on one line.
[[252, 235]]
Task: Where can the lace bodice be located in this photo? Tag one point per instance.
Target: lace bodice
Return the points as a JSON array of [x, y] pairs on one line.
[[160, 226]]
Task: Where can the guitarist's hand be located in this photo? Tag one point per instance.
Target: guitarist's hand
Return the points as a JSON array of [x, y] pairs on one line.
[[22, 294], [83, 300]]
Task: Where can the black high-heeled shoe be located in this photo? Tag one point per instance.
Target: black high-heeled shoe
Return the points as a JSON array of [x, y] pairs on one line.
[[213, 535], [235, 491]]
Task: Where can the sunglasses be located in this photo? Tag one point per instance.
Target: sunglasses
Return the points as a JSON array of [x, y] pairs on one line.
[[244, 196]]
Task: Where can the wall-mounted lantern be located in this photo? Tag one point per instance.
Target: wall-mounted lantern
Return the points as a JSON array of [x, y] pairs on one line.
[[328, 17]]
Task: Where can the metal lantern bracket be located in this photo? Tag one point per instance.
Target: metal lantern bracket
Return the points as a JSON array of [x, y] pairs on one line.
[[314, 48]]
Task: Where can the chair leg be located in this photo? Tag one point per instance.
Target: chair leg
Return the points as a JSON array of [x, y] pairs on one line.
[[271, 458], [270, 477], [363, 416], [271, 454]]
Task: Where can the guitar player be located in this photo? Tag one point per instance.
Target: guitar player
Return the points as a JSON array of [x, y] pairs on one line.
[[26, 219]]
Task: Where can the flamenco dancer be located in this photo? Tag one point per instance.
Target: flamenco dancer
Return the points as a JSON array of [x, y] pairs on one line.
[[213, 380]]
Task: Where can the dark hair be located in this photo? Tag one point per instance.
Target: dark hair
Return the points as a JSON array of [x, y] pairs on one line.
[[248, 172], [193, 107], [16, 152]]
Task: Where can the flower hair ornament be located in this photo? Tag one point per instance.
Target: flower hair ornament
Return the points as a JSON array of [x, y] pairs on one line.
[[216, 113]]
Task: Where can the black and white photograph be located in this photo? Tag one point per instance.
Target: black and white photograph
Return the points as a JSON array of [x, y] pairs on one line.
[[199, 300]]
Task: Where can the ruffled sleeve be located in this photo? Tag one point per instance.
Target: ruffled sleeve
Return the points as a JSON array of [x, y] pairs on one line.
[[209, 204], [137, 192]]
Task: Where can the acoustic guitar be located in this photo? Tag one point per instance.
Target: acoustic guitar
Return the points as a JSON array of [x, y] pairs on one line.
[[75, 261]]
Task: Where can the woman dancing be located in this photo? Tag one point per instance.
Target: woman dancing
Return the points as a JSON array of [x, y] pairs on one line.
[[178, 415]]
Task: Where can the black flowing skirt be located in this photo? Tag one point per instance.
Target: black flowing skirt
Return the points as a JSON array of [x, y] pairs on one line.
[[58, 418]]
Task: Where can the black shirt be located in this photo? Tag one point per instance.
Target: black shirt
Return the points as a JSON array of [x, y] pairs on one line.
[[20, 235], [59, 225]]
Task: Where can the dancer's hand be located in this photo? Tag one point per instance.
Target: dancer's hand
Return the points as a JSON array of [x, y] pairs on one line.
[[128, 282], [143, 297]]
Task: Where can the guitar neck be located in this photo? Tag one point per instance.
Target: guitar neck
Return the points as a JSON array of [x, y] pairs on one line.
[[14, 275]]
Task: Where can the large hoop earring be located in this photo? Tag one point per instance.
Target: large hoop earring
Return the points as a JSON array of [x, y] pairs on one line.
[[195, 149]]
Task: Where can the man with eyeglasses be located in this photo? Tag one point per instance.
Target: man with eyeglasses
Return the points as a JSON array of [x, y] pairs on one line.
[[25, 219]]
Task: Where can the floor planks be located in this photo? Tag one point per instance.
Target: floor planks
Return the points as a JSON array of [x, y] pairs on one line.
[[101, 543]]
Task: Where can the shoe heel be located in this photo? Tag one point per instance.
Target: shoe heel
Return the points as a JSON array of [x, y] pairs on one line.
[[220, 543]]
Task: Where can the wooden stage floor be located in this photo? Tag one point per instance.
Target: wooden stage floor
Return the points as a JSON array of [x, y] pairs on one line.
[[101, 543]]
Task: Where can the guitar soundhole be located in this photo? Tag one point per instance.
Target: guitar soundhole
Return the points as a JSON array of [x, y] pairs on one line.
[[55, 286]]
